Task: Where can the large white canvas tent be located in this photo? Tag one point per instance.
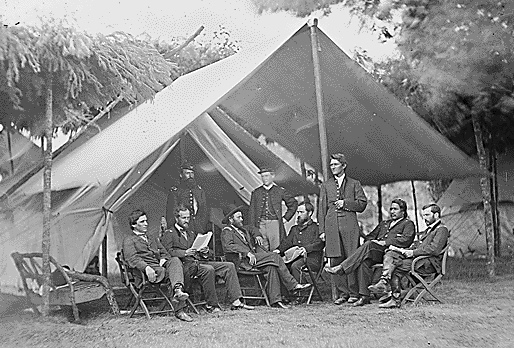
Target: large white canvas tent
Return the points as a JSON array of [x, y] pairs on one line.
[[462, 211], [127, 165]]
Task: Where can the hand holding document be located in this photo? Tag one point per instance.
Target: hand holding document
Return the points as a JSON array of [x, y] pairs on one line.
[[201, 241]]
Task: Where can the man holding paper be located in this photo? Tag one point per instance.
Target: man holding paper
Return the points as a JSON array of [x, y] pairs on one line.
[[193, 251]]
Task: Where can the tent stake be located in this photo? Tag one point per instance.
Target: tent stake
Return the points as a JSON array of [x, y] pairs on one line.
[[321, 116]]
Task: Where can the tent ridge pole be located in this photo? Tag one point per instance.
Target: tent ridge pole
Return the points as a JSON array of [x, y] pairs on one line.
[[321, 118]]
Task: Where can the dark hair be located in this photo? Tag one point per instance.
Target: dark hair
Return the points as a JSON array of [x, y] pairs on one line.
[[434, 208], [339, 157], [134, 216], [178, 209], [402, 204], [308, 206]]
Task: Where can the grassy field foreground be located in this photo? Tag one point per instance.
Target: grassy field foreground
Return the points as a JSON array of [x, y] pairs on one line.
[[476, 313]]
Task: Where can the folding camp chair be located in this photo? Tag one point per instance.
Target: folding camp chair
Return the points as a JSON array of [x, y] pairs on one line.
[[67, 288], [307, 275], [144, 293], [258, 290], [423, 284]]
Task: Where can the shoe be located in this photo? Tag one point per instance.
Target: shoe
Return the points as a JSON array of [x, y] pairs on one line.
[[364, 300], [390, 304], [299, 287], [333, 270], [212, 309], [241, 305], [183, 316], [339, 301], [378, 288], [386, 297], [179, 295], [352, 299], [280, 305]]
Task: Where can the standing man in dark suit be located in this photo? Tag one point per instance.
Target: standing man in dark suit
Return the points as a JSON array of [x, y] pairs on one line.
[[190, 194], [304, 235], [399, 260], [178, 241], [237, 240], [148, 255], [266, 210], [398, 231], [341, 197]]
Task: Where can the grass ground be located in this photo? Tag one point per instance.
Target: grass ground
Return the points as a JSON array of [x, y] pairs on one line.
[[477, 313]]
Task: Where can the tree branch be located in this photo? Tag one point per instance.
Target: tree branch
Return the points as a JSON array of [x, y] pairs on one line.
[[184, 44]]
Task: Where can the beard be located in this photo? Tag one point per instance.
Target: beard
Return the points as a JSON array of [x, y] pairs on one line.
[[300, 220], [190, 183], [238, 224]]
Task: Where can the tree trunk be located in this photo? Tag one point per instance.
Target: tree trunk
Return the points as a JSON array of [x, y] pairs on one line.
[[486, 194], [379, 203], [495, 199], [414, 198], [47, 197]]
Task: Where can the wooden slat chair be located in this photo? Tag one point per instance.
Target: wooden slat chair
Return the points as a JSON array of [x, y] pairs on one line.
[[423, 284], [72, 289], [307, 275], [258, 290]]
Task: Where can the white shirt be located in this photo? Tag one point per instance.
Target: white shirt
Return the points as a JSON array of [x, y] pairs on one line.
[[142, 235], [340, 179], [181, 230]]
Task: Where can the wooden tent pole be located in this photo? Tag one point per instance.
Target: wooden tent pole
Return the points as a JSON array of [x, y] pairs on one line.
[[379, 203], [321, 117], [9, 145], [415, 205]]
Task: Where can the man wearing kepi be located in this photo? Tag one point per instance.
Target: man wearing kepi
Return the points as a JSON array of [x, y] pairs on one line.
[[341, 197], [266, 209], [179, 240], [399, 260], [190, 194], [397, 231], [147, 254], [237, 240]]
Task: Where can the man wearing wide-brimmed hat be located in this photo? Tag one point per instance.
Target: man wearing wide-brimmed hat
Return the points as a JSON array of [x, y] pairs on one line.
[[236, 239], [266, 209], [190, 194]]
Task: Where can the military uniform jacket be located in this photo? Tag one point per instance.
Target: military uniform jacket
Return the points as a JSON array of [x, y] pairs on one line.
[[306, 236], [181, 194], [340, 226], [176, 245], [401, 235], [277, 195]]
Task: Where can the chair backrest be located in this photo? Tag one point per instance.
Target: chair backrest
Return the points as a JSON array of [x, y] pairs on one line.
[[125, 273], [445, 252], [30, 267]]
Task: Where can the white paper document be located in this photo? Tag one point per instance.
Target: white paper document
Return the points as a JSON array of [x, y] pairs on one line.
[[201, 241]]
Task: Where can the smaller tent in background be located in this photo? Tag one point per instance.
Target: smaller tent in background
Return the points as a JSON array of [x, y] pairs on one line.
[[462, 211]]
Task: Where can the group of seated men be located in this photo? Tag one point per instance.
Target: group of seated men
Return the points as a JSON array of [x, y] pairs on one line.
[[171, 255], [390, 243]]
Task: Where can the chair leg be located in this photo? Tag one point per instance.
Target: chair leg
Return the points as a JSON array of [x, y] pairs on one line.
[[263, 290], [192, 305]]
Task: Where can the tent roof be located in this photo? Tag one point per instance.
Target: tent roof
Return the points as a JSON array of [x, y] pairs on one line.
[[384, 141], [271, 87]]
